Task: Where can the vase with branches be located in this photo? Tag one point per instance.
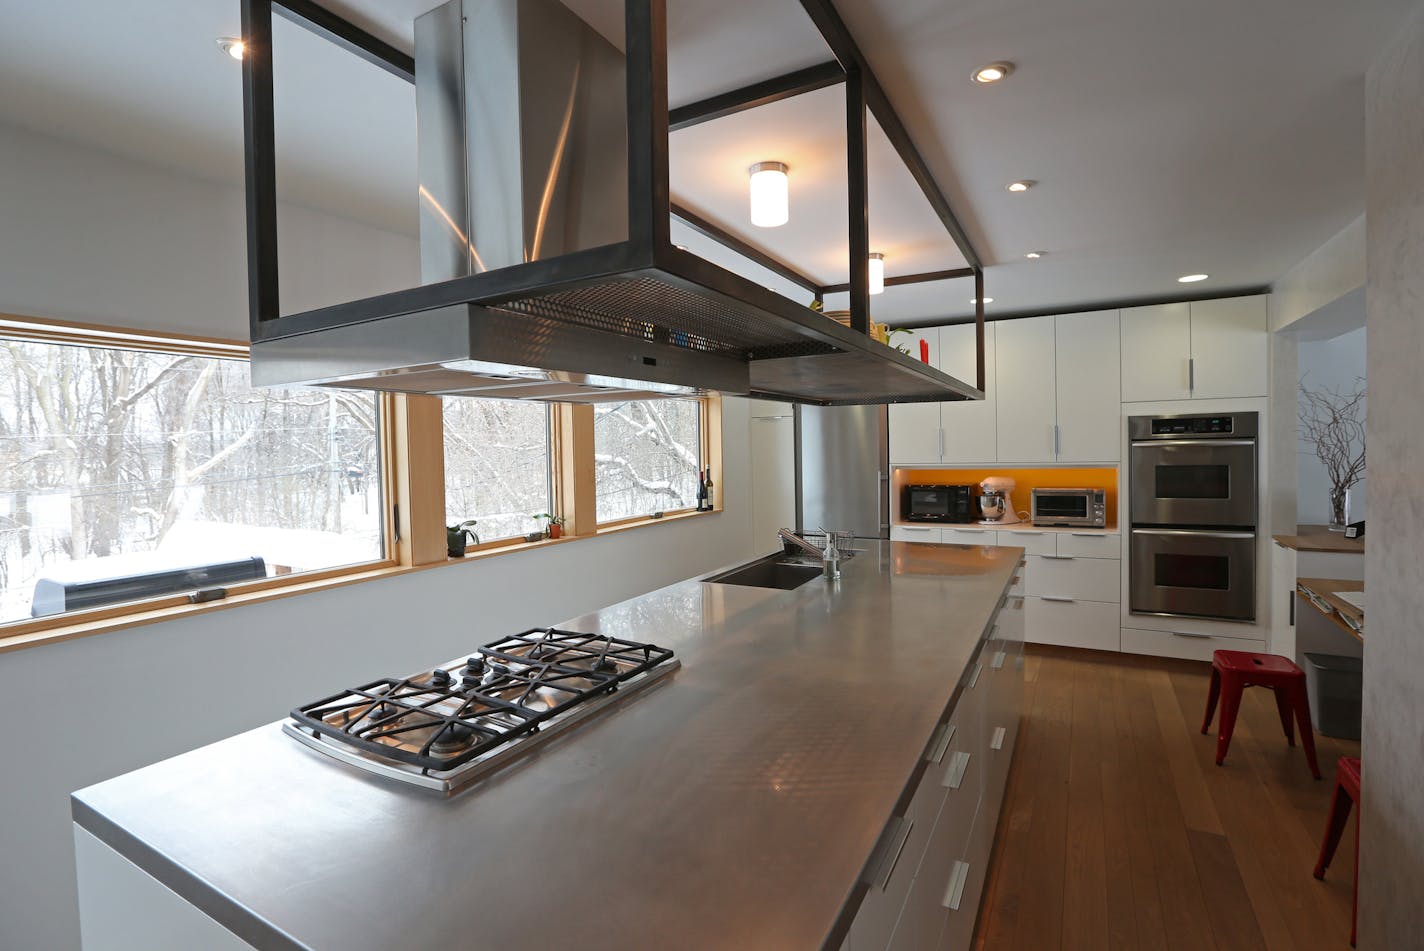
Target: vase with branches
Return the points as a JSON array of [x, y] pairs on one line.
[[1333, 421]]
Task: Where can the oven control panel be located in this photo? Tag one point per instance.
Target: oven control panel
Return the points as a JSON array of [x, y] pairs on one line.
[[1193, 426]]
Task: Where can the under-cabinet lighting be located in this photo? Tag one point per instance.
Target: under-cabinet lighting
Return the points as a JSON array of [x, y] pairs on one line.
[[975, 300], [876, 267], [769, 194]]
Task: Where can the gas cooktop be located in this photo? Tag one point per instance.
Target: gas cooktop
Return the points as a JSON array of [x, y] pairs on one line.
[[446, 727]]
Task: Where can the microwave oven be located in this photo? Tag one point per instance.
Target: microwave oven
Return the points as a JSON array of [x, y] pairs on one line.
[[1072, 507], [939, 503]]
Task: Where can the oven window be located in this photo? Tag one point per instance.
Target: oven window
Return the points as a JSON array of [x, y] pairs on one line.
[[1063, 506], [1193, 482], [1211, 572]]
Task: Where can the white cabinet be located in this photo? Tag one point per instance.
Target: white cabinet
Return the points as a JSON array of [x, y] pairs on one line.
[[915, 435], [1185, 646], [930, 534], [773, 471], [1156, 353], [1204, 350], [1230, 345], [1087, 579], [1088, 389], [969, 425], [1090, 624], [968, 536], [1024, 363]]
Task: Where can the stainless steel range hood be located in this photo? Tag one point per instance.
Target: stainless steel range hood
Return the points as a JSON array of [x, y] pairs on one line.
[[541, 279]]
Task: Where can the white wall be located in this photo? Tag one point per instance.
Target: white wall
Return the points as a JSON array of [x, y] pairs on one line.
[[1331, 271], [1336, 364], [91, 237], [1392, 814]]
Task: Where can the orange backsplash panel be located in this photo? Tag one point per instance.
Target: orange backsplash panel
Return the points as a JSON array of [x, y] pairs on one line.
[[1027, 480]]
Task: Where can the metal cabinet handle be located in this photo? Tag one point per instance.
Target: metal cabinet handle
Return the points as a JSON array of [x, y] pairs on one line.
[[997, 743], [978, 669], [941, 445], [1088, 534], [1191, 374], [941, 743], [999, 659], [1194, 533], [1055, 439], [911, 528], [906, 825], [958, 766], [1206, 637], [1057, 557], [1049, 597], [1024, 531], [954, 891]]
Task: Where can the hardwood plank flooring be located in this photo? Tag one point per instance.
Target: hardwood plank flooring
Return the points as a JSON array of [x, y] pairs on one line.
[[1119, 831]]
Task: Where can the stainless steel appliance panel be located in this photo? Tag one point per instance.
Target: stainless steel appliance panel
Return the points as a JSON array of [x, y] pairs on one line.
[[1192, 573], [842, 464], [1193, 482], [1070, 507]]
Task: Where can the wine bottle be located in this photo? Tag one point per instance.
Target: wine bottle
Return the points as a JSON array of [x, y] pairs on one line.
[[701, 493], [710, 503]]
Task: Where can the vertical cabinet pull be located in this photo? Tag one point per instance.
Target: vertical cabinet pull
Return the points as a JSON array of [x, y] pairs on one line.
[[958, 766], [1055, 439], [1191, 374], [954, 891], [893, 859], [941, 445], [978, 669], [999, 659], [997, 743], [941, 743]]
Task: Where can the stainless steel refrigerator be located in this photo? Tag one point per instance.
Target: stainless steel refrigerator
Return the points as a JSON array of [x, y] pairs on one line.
[[843, 469]]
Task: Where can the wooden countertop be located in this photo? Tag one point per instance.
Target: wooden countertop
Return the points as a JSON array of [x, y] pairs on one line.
[[1323, 595], [1320, 538]]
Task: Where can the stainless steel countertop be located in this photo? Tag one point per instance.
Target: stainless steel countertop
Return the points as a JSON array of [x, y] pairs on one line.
[[735, 805]]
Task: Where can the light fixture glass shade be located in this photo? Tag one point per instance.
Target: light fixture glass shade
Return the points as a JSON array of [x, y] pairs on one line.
[[876, 267], [770, 194]]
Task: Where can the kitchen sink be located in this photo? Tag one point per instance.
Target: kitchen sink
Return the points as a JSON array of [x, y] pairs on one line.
[[773, 572]]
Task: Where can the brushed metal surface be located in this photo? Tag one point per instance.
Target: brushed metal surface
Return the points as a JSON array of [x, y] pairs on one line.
[[842, 458], [735, 806]]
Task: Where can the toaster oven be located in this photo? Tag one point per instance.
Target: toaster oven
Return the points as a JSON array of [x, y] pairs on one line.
[[1072, 507], [938, 503]]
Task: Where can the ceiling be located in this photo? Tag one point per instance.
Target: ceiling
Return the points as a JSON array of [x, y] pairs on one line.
[[1166, 137]]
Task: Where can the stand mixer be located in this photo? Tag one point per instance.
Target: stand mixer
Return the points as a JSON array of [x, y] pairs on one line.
[[996, 503]]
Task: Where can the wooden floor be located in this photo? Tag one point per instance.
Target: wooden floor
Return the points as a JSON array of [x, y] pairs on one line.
[[1120, 831]]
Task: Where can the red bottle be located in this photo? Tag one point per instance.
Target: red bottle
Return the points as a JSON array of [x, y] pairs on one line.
[[924, 351]]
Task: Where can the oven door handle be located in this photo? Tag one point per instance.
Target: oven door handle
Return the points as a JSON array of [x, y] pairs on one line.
[[1203, 443], [1193, 532]]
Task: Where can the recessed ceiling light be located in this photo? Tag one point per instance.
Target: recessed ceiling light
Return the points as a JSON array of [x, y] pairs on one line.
[[975, 300], [232, 46], [1192, 278], [769, 194], [876, 268], [992, 73], [1034, 255], [1021, 186]]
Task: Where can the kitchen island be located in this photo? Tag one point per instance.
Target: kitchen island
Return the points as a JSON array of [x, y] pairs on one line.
[[824, 770]]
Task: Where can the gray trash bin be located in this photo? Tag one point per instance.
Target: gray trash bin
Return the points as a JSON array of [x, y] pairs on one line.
[[1335, 684]]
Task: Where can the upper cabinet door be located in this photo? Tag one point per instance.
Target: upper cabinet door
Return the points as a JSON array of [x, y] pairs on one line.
[[1024, 389], [914, 427], [969, 426], [1156, 353], [1089, 392], [1229, 347]]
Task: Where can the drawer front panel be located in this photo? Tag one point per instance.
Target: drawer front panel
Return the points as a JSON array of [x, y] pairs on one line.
[[1083, 579], [969, 536], [915, 533], [1186, 646], [1090, 544], [1091, 624], [1032, 542]]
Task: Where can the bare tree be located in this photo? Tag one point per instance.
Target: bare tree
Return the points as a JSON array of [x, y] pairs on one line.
[[1332, 420]]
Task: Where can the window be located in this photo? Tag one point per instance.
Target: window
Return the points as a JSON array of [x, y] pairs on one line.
[[496, 464], [119, 468], [647, 455]]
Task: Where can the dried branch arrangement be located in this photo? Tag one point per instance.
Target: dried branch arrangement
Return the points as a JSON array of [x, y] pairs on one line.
[[1333, 420]]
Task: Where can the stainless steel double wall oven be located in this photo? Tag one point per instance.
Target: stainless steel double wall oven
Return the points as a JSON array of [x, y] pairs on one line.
[[1192, 482]]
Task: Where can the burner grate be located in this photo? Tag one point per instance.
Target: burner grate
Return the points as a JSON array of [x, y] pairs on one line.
[[443, 719]]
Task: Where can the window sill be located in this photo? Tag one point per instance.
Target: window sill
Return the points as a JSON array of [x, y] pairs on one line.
[[169, 612]]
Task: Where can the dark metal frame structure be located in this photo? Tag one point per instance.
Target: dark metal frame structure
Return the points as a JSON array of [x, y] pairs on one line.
[[700, 305]]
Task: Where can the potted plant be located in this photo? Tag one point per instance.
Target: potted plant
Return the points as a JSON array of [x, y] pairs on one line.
[[1333, 422], [555, 528], [456, 537]]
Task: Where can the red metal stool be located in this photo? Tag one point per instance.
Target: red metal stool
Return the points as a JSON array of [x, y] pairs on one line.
[[1234, 671], [1347, 793]]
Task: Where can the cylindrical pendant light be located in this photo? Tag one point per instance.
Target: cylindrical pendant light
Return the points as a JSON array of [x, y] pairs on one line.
[[877, 272], [769, 194]]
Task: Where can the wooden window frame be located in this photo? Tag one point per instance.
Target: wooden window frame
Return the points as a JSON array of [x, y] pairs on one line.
[[412, 467]]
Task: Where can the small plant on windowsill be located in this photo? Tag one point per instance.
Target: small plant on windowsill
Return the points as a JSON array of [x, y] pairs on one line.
[[457, 535], [555, 528]]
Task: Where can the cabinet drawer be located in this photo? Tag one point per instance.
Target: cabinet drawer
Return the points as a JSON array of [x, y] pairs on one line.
[[1091, 624], [1083, 579], [1090, 544], [1032, 542], [1186, 646], [969, 536], [915, 533], [1011, 619]]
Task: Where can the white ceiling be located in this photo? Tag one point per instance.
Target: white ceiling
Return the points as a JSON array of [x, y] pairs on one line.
[[1167, 137]]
